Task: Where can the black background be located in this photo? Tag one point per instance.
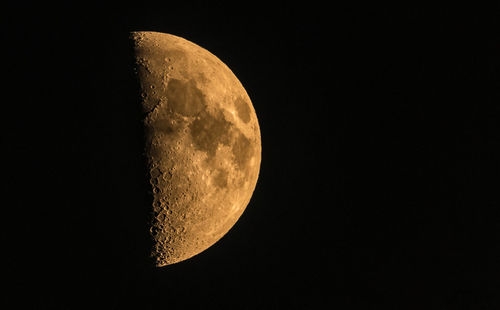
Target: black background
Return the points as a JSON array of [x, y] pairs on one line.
[[380, 159]]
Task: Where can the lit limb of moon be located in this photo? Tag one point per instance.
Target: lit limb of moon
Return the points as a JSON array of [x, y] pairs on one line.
[[202, 144]]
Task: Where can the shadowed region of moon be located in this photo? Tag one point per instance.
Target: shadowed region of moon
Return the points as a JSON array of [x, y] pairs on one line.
[[202, 143]]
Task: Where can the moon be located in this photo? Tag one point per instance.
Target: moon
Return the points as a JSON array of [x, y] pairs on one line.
[[203, 144]]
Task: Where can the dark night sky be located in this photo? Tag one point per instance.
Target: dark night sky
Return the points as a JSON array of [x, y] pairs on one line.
[[380, 164]]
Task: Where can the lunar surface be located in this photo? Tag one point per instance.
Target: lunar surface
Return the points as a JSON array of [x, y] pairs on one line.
[[202, 144]]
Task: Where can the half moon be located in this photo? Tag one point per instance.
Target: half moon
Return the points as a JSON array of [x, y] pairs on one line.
[[203, 144]]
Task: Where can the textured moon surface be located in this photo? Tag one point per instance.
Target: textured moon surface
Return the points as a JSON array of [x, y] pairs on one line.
[[203, 144]]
